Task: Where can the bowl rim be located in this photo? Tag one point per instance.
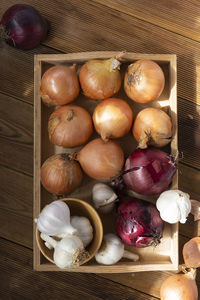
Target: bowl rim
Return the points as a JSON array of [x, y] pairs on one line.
[[85, 203]]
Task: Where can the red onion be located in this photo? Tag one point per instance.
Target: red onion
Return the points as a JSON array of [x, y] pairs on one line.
[[138, 222], [23, 26], [148, 171]]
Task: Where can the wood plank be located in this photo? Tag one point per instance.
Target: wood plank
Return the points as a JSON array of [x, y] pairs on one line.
[[16, 192], [16, 206], [16, 134], [189, 132], [17, 279], [173, 15], [75, 28], [16, 228], [16, 76]]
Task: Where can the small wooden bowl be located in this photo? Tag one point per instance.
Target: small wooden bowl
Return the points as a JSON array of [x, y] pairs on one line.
[[78, 208]]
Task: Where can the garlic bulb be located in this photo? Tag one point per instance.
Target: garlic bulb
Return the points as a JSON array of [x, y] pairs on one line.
[[112, 250], [84, 229], [68, 252], [174, 206], [54, 220], [103, 197]]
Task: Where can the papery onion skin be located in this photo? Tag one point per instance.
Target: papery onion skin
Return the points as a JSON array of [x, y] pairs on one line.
[[60, 85], [138, 222], [100, 79], [70, 126], [112, 118], [148, 171], [191, 253], [179, 287], [60, 175], [101, 160], [152, 126], [24, 27], [144, 81]]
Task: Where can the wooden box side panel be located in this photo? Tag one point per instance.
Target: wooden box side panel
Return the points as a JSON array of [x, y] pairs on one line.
[[37, 156], [174, 150]]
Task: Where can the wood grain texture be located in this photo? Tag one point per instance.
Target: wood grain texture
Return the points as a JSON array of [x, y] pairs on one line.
[[189, 132], [17, 279], [16, 76], [16, 134], [179, 17], [16, 192], [16, 206], [87, 26], [75, 22]]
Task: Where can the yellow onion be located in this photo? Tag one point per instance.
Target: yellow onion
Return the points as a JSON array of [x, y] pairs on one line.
[[70, 126], [100, 79], [112, 118], [144, 81], [180, 287], [60, 85], [60, 175], [191, 253], [152, 126], [101, 160]]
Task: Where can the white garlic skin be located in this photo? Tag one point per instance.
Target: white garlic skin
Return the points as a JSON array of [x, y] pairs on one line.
[[174, 206], [103, 197], [111, 251], [66, 251], [54, 219], [84, 229]]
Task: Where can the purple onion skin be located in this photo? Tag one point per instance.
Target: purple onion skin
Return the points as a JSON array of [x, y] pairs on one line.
[[148, 171], [24, 27], [138, 222]]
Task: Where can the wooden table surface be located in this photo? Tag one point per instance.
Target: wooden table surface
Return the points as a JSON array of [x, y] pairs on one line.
[[164, 26]]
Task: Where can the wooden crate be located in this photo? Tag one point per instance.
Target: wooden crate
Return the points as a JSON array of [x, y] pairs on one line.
[[165, 255]]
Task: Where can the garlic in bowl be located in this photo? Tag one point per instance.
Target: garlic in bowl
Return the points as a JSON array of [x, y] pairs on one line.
[[76, 207]]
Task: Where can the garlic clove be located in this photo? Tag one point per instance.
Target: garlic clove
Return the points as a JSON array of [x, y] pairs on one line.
[[102, 196], [49, 246], [54, 219], [84, 229]]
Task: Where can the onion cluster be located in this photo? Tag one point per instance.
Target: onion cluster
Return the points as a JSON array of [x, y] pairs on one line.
[[146, 171]]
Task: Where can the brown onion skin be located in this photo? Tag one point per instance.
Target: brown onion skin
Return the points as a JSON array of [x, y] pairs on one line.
[[179, 287], [144, 81], [60, 175], [119, 122], [59, 85], [101, 160], [153, 127], [70, 126], [191, 253], [97, 81]]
